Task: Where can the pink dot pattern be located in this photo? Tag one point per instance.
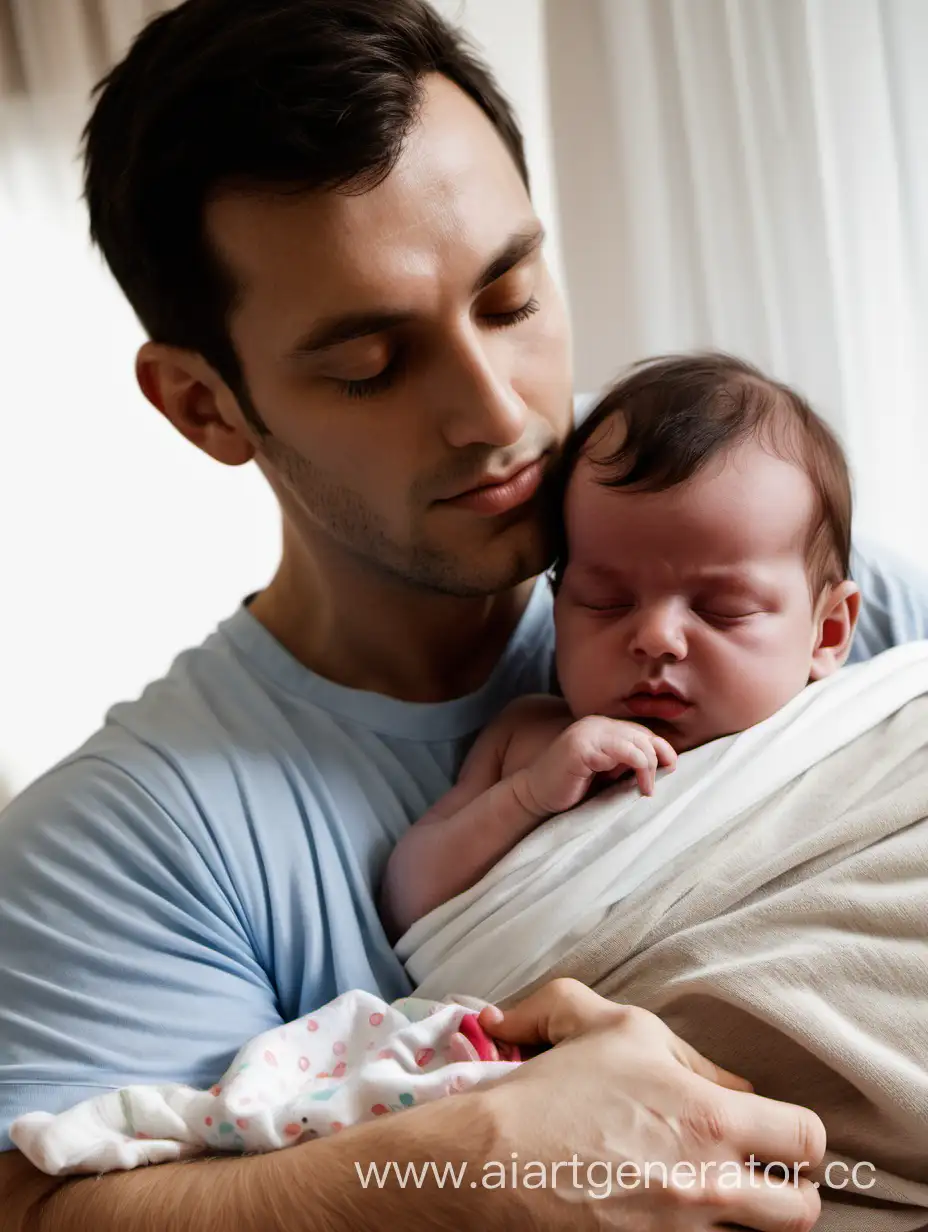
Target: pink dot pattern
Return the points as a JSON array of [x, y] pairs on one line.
[[366, 1059]]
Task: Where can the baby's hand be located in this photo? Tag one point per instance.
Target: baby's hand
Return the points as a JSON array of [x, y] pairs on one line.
[[562, 776]]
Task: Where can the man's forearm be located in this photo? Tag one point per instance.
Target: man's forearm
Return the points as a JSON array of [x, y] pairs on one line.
[[315, 1187]]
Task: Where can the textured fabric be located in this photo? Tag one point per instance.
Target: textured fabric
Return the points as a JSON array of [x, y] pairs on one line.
[[352, 1060], [794, 951]]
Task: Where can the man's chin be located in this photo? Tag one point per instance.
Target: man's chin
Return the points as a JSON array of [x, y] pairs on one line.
[[489, 562], [509, 560], [479, 574], [464, 581]]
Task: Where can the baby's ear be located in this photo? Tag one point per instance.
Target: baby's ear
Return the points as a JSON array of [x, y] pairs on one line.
[[835, 621]]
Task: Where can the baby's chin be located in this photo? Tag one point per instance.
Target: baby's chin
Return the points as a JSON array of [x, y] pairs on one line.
[[681, 740], [676, 738]]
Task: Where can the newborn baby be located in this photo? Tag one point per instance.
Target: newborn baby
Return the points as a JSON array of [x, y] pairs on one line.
[[702, 582]]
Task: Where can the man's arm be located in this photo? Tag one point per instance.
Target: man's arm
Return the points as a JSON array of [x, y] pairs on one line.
[[618, 1090], [313, 1187]]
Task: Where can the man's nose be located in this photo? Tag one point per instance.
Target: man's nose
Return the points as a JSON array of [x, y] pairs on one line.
[[477, 401], [659, 634]]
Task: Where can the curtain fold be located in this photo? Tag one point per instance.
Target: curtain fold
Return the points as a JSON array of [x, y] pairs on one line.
[[61, 47], [12, 68], [768, 196]]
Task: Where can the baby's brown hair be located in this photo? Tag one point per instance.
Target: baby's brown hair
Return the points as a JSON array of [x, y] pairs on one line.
[[680, 411]]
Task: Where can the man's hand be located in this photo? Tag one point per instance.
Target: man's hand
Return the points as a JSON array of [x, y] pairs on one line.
[[561, 776], [619, 1088]]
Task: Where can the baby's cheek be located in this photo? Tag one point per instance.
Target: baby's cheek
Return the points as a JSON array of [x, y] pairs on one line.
[[588, 662], [582, 687], [569, 668], [763, 683]]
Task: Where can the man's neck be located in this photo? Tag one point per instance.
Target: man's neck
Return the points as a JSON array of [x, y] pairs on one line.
[[368, 631]]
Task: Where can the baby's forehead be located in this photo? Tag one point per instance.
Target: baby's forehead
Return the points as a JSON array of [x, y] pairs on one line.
[[743, 502]]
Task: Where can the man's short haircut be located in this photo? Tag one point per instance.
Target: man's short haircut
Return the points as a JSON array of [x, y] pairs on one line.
[[680, 411], [288, 96]]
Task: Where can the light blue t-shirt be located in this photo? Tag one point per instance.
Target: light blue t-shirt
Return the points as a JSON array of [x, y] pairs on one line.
[[206, 866]]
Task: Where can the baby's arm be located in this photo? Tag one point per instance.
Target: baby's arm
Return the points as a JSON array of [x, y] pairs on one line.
[[474, 824], [533, 762]]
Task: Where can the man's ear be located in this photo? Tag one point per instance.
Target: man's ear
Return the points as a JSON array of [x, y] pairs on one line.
[[836, 620], [189, 393]]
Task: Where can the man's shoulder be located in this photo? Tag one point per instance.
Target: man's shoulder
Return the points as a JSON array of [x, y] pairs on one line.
[[188, 742], [894, 594], [236, 726], [208, 704]]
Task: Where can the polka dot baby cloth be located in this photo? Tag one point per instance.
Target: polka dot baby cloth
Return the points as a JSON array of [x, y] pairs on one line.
[[354, 1059]]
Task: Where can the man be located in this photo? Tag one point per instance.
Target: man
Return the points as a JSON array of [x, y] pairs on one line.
[[320, 211]]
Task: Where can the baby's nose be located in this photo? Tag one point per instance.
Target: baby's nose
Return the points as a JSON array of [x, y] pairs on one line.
[[659, 634]]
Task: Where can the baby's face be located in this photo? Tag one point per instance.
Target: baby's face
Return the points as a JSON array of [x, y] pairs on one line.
[[688, 610]]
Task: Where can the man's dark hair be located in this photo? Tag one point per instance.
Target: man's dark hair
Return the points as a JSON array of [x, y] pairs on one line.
[[680, 411], [280, 95]]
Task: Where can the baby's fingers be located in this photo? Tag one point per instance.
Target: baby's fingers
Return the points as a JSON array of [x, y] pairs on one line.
[[666, 753], [631, 758], [645, 781], [644, 763]]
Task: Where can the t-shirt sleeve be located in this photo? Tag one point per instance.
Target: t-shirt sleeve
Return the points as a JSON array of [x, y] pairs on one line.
[[894, 600], [124, 957]]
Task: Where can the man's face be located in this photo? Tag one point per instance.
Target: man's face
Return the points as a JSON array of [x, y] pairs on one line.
[[405, 346]]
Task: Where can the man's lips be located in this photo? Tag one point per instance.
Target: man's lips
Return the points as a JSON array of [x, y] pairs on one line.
[[501, 495], [651, 703]]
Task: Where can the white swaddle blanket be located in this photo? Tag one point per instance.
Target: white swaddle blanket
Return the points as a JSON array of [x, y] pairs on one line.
[[558, 884]]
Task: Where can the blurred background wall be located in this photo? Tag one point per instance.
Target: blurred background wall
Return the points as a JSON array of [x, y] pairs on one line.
[[744, 174]]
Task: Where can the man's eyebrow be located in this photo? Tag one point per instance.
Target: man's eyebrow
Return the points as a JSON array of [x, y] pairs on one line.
[[513, 252], [331, 331]]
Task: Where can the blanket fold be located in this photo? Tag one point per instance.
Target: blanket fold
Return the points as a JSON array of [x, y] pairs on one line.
[[795, 952], [788, 943]]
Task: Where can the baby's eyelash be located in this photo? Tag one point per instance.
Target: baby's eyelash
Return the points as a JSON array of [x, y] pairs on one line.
[[725, 618]]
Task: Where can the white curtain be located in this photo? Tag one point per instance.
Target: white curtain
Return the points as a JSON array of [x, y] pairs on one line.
[[61, 45], [751, 175]]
